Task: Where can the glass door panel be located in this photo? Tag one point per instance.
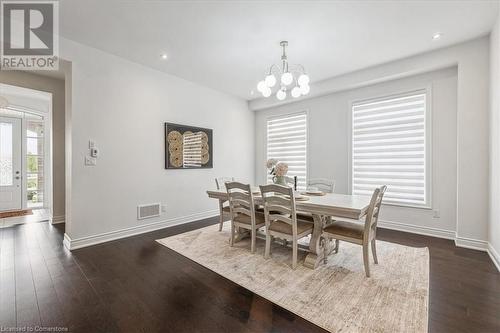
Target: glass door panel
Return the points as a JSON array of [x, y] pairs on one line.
[[6, 156], [10, 164]]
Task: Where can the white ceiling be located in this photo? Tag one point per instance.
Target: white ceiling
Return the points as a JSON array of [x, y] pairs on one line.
[[228, 45]]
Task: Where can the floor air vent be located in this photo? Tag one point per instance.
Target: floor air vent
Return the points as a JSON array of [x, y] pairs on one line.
[[148, 211]]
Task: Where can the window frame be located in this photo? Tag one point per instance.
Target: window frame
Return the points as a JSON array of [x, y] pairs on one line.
[[427, 90], [290, 114]]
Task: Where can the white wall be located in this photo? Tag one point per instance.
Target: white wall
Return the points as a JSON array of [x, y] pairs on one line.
[[329, 134], [494, 218], [123, 106], [472, 129]]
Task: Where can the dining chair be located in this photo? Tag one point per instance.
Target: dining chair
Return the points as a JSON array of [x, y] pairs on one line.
[[224, 212], [323, 184], [359, 233], [281, 218], [242, 208]]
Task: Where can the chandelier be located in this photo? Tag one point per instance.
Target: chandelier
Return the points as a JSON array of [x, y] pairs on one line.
[[290, 75]]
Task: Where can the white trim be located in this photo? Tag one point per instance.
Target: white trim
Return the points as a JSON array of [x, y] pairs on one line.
[[464, 242], [57, 219], [414, 229], [495, 257], [73, 244], [470, 243], [67, 241]]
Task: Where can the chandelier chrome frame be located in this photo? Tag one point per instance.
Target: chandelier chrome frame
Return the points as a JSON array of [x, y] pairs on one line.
[[288, 74]]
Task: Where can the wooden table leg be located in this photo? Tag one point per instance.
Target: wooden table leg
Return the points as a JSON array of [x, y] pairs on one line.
[[317, 250]]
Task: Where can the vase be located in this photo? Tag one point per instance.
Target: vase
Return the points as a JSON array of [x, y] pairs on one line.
[[280, 180]]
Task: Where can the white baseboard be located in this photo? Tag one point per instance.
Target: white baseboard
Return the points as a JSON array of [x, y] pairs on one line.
[[57, 219], [469, 243], [495, 257], [73, 244], [67, 241], [420, 230], [465, 242]]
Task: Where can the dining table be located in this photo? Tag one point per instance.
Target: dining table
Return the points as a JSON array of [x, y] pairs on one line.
[[324, 209]]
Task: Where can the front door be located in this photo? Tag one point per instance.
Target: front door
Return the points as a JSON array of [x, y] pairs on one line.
[[10, 164]]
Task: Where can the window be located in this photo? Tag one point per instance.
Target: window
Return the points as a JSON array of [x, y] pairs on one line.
[[6, 174], [389, 147], [287, 142], [35, 181]]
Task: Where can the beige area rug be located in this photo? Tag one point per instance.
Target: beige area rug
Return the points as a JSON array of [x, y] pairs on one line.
[[336, 296]]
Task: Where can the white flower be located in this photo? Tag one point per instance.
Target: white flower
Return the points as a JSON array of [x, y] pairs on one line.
[[271, 163]]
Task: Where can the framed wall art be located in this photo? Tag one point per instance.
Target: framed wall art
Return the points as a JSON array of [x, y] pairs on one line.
[[188, 147]]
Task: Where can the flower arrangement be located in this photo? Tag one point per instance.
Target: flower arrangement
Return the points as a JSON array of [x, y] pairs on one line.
[[278, 170]]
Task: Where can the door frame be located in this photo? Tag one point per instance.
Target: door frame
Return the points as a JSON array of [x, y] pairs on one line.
[[45, 111]]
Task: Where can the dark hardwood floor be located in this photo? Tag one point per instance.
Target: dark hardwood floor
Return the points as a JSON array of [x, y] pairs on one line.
[[137, 285]]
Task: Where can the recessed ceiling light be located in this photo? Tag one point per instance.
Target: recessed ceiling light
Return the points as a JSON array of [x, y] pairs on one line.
[[437, 36], [252, 92], [164, 56]]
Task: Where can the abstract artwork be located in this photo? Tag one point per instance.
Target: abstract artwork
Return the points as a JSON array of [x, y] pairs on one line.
[[187, 147]]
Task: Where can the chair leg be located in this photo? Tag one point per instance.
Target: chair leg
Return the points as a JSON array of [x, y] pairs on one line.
[[366, 260], [231, 242], [254, 235], [221, 216], [374, 251], [294, 253], [268, 246], [337, 244]]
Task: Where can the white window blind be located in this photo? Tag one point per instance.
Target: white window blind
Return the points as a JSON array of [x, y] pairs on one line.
[[389, 148], [287, 142]]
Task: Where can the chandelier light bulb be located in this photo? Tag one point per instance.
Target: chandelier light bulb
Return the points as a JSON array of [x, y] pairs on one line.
[[281, 94], [303, 80], [261, 86], [267, 92], [270, 80], [305, 89], [296, 92], [286, 78]]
